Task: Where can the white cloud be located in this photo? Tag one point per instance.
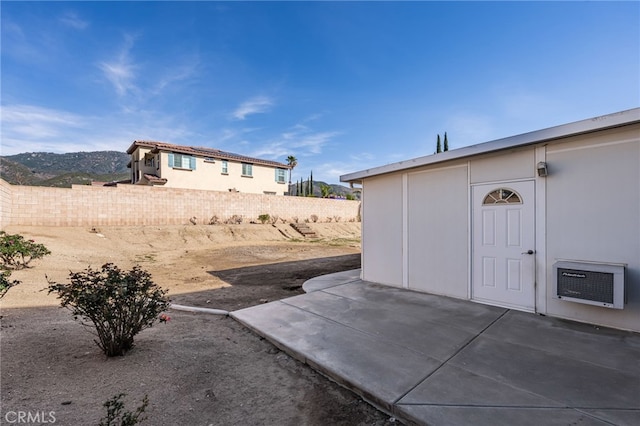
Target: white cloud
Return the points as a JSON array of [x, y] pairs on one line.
[[71, 19], [331, 171], [314, 142], [299, 140], [257, 105], [120, 71], [19, 43], [176, 73], [362, 157], [27, 128]]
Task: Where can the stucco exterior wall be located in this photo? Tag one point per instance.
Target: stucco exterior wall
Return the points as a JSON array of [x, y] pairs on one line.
[[514, 164], [148, 205], [437, 225], [382, 230], [416, 223], [208, 175], [593, 214]]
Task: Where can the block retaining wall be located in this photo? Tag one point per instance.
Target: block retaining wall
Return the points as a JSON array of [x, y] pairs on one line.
[[125, 205]]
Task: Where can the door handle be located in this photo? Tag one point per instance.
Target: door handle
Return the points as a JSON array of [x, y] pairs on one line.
[[528, 252]]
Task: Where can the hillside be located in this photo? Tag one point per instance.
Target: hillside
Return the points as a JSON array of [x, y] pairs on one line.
[[63, 170], [82, 168]]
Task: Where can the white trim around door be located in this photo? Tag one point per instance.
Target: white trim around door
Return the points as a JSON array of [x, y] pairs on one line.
[[503, 254]]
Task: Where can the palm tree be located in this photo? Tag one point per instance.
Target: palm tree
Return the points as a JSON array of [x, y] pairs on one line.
[[325, 190], [292, 162]]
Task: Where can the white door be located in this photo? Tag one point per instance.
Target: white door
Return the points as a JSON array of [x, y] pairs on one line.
[[503, 247]]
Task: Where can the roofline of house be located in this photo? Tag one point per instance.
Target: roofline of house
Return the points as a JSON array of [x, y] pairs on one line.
[[618, 119], [167, 147]]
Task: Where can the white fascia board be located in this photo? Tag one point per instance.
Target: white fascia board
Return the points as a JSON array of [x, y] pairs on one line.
[[591, 125]]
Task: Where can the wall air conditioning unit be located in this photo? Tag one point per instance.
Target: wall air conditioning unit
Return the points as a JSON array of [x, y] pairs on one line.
[[599, 284]]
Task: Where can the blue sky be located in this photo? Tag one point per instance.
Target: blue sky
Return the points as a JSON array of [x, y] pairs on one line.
[[343, 86]]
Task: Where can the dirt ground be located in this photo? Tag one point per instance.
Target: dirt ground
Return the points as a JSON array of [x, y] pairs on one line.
[[197, 369]]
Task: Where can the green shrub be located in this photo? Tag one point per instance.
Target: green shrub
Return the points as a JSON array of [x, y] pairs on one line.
[[264, 218], [5, 283], [116, 416], [16, 252], [118, 304]]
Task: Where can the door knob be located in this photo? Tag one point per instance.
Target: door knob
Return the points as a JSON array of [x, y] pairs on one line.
[[528, 252]]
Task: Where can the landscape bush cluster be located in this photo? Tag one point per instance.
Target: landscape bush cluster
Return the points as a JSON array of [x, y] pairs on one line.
[[271, 219], [116, 303], [118, 416], [16, 252], [6, 283]]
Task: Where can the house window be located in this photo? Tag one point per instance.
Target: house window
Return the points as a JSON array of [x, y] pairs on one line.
[[225, 167], [247, 169], [209, 160], [502, 196], [280, 175], [181, 161], [149, 160]]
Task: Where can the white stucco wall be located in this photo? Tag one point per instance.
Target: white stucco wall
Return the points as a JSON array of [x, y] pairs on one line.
[[208, 175], [503, 166], [593, 214], [437, 225], [416, 222], [382, 230]]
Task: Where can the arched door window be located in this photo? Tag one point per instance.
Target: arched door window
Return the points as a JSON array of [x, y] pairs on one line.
[[502, 196]]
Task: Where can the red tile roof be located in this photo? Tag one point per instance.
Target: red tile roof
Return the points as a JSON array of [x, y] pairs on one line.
[[203, 152], [155, 180]]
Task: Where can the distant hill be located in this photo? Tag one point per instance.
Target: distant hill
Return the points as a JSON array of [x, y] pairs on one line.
[[336, 191], [82, 168], [63, 170]]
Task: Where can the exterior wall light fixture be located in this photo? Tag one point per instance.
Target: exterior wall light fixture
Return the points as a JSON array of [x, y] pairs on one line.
[[543, 171]]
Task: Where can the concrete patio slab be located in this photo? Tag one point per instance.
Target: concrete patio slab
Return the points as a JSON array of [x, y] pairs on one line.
[[362, 363], [434, 360], [331, 280]]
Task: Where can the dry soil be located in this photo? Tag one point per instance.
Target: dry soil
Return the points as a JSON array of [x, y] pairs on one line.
[[197, 369]]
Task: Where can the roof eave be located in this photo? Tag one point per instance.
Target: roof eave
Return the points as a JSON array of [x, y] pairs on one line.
[[619, 119], [157, 147]]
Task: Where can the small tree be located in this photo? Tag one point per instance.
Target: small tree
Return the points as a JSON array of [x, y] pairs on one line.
[[438, 145], [446, 142], [264, 218], [16, 252], [118, 304]]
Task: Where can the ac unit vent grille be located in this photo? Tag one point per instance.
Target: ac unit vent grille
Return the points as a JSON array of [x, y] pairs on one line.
[[586, 285], [592, 283]]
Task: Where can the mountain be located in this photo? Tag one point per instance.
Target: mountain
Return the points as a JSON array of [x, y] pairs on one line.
[[82, 168], [335, 191], [63, 170]]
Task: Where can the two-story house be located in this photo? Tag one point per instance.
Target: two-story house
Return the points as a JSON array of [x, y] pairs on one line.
[[178, 166]]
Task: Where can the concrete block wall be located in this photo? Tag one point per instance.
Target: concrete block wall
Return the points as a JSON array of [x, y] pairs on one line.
[[5, 203], [143, 205]]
